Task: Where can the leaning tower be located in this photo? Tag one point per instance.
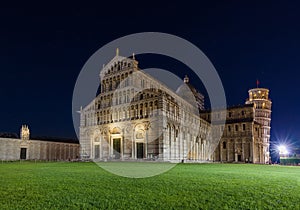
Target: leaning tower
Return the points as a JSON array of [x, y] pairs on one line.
[[262, 104]]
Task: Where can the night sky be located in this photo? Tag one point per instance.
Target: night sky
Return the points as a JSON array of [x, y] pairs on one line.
[[43, 49]]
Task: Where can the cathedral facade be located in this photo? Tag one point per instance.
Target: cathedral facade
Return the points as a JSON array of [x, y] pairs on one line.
[[137, 117]]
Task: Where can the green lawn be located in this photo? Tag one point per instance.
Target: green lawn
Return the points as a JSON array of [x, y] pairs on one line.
[[56, 185]]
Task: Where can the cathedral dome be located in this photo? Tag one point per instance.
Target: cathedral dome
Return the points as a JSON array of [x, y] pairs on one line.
[[186, 93], [190, 94]]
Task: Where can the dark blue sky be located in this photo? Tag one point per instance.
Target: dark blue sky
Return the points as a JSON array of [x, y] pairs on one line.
[[43, 49]]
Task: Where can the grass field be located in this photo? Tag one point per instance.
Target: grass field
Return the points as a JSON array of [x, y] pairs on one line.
[[57, 185]]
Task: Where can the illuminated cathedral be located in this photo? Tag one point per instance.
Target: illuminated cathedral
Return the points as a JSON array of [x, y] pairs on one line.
[[136, 117]]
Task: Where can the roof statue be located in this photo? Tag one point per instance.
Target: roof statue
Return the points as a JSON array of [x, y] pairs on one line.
[[25, 132], [186, 79]]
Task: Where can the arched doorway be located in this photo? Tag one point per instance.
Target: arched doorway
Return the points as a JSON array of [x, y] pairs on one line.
[[140, 144], [116, 144]]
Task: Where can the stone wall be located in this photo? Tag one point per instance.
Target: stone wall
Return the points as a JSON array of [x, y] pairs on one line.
[[10, 149], [242, 139]]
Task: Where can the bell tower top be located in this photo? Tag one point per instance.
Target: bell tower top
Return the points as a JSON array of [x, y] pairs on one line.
[[258, 94], [260, 98]]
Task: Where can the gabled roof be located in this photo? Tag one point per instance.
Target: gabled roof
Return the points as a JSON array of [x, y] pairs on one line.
[[111, 63]]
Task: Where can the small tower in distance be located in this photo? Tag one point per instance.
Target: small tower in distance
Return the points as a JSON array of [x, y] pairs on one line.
[[24, 134], [262, 105]]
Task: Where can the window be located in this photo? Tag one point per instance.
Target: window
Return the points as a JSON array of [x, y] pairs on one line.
[[229, 114], [243, 113], [224, 144], [236, 128], [244, 127], [229, 128]]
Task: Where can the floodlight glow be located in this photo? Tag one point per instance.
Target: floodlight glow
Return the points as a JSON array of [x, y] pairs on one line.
[[282, 150]]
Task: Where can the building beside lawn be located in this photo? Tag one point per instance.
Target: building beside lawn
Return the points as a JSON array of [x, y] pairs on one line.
[[137, 117], [25, 148]]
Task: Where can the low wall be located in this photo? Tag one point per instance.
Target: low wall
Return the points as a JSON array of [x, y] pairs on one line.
[[10, 149]]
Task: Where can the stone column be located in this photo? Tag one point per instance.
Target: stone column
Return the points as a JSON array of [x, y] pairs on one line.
[[100, 147], [122, 147], [243, 150], [133, 146], [202, 151], [110, 147], [204, 147], [262, 154], [170, 143], [227, 149], [179, 145], [221, 151], [174, 145], [235, 152], [252, 151], [197, 151], [194, 149], [146, 143]]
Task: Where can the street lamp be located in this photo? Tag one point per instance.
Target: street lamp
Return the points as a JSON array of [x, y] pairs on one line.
[[282, 150]]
